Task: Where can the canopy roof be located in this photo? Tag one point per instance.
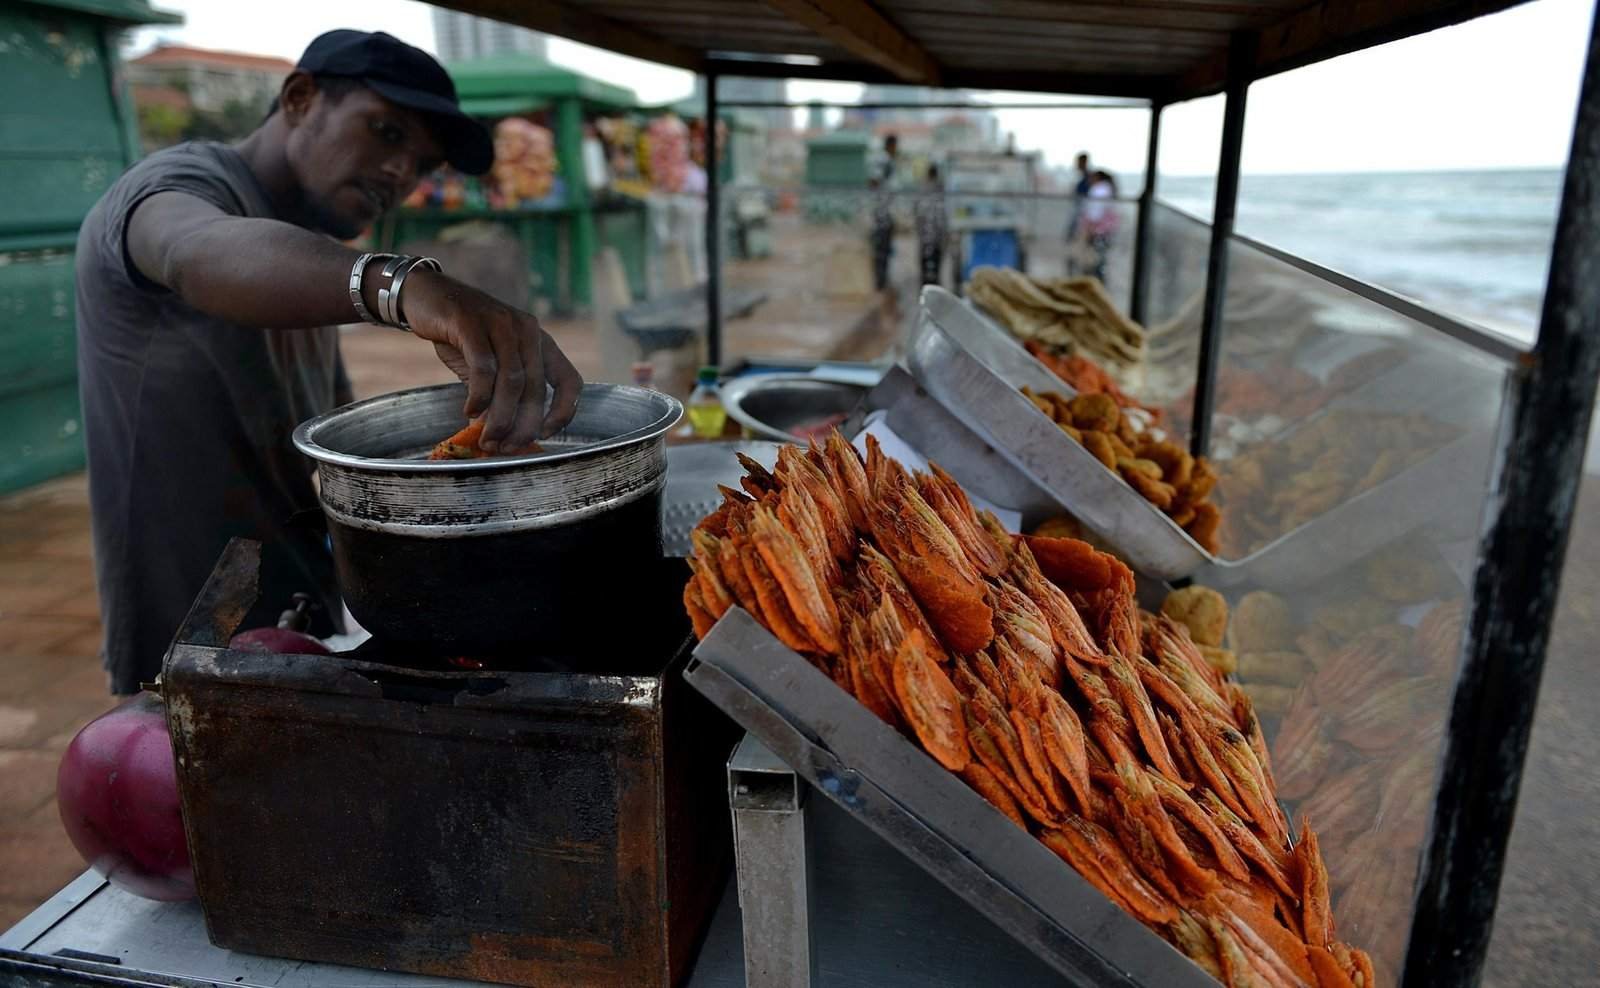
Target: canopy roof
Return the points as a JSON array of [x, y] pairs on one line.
[[507, 84], [1160, 50]]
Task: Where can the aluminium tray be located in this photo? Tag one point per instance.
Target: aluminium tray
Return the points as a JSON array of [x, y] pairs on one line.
[[927, 813], [693, 472], [975, 369]]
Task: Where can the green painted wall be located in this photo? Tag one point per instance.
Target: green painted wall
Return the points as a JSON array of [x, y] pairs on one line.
[[65, 136]]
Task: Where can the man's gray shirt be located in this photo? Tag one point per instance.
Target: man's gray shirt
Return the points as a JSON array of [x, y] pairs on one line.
[[187, 419]]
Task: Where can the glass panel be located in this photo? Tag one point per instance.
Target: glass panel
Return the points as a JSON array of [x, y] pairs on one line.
[[1353, 448], [816, 295], [1177, 287]]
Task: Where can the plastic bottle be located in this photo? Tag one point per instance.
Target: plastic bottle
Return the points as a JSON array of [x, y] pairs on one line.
[[706, 414]]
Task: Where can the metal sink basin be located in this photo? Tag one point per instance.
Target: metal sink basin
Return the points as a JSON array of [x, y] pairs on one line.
[[775, 406]]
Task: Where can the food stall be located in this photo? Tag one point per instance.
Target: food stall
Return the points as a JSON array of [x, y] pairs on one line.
[[544, 188], [1351, 635]]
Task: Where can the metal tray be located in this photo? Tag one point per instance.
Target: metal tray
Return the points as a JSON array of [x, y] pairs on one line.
[[927, 813], [976, 369], [693, 472]]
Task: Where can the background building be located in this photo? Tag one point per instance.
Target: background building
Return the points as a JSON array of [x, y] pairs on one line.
[[211, 79], [458, 37]]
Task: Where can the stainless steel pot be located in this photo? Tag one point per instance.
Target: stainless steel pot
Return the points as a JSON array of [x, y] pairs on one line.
[[775, 406], [535, 553]]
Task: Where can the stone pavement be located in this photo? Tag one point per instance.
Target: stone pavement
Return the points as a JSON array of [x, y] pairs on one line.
[[51, 682]]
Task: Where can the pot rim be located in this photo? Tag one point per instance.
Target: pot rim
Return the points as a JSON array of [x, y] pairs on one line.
[[736, 391], [306, 432]]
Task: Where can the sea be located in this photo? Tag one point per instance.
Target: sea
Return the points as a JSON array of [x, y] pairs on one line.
[[1475, 244]]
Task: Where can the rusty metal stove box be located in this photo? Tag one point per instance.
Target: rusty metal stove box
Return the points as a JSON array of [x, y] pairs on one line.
[[520, 827]]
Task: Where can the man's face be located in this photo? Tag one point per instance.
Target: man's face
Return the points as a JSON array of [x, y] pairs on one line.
[[1083, 164], [357, 156]]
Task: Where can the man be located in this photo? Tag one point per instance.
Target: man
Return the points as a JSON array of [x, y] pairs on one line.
[[932, 227], [881, 237], [209, 280], [1080, 196]]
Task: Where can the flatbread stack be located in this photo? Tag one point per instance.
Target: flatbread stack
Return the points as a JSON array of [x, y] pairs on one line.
[[1071, 315]]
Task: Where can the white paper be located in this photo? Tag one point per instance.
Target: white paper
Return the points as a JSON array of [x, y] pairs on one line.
[[877, 426]]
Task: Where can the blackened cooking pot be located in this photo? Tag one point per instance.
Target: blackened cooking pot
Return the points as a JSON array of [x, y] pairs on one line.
[[546, 553]]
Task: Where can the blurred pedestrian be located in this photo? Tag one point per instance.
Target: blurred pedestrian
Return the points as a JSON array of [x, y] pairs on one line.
[[1080, 192], [1101, 221], [882, 235], [932, 227]]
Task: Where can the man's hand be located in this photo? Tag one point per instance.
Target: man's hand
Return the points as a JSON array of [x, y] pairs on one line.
[[503, 355]]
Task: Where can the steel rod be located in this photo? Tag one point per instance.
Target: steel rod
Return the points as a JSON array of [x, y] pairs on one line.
[[1483, 340], [1139, 300], [1241, 58], [1533, 494], [713, 229], [1138, 104]]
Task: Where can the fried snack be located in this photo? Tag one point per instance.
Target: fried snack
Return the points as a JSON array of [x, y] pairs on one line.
[[929, 702], [1282, 668], [1026, 668], [464, 445], [1099, 443], [1404, 576], [1094, 411], [1261, 623], [1223, 660], [1274, 487], [1067, 315], [1161, 471], [1060, 527], [1269, 700], [1200, 609], [1084, 375]]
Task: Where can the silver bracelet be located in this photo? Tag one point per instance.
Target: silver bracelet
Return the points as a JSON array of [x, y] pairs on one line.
[[358, 272], [386, 294], [395, 303]]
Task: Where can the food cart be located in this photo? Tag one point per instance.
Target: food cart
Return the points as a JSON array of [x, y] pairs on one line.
[[830, 806], [989, 198]]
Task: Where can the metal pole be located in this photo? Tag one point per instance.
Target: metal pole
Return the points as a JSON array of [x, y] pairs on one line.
[[1241, 60], [1532, 496], [772, 848], [1141, 234], [713, 230]]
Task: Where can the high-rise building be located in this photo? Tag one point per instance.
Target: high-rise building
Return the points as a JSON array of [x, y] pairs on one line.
[[458, 37]]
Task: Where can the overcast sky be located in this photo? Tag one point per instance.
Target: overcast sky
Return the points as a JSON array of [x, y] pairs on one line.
[[1496, 92]]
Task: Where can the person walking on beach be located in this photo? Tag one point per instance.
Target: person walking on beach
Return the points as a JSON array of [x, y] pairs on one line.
[[1100, 221], [1080, 192], [931, 227], [882, 235]]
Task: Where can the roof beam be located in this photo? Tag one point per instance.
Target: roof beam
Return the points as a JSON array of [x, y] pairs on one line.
[[567, 20], [857, 27], [1332, 28], [1024, 81]]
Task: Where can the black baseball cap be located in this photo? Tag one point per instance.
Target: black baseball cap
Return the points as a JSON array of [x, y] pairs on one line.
[[406, 76]]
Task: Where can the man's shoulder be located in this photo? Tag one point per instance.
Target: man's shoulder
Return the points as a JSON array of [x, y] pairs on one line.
[[188, 158]]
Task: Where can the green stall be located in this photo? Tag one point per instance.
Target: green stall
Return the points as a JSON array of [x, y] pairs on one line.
[[836, 175], [560, 235], [67, 130]]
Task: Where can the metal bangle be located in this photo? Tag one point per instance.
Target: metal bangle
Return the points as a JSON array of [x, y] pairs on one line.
[[396, 302], [358, 273], [386, 311]]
